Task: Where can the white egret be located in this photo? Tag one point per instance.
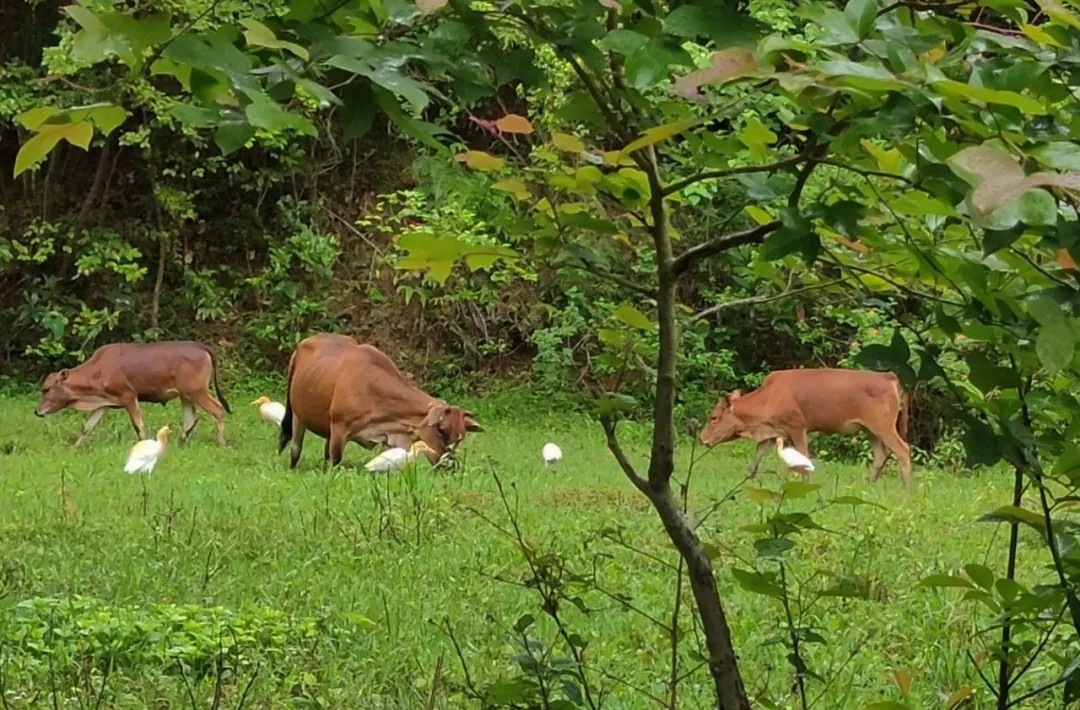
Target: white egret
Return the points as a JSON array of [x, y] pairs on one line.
[[145, 454], [270, 411], [396, 458], [551, 454], [794, 460]]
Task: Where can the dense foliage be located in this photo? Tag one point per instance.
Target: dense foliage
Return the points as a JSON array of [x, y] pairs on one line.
[[906, 171]]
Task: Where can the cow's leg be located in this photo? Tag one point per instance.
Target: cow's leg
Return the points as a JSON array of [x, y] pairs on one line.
[[759, 453], [214, 409], [91, 422], [339, 435], [132, 407], [190, 418], [902, 451], [798, 440], [881, 455], [296, 446], [326, 449]]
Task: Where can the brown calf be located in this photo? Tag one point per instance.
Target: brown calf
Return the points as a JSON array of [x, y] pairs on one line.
[[791, 403], [124, 374]]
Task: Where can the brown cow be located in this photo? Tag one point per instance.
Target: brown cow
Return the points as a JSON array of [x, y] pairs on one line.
[[124, 374], [344, 391], [791, 403]]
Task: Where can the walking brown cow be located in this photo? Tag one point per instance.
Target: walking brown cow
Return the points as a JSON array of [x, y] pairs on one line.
[[791, 403], [124, 374], [344, 391]]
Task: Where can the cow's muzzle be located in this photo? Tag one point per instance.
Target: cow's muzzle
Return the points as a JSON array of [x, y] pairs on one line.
[[39, 413]]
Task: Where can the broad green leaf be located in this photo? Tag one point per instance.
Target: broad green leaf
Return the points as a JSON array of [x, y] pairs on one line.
[[623, 41], [1059, 155], [263, 112], [40, 144], [632, 317], [761, 495], [479, 160], [515, 187], [991, 96], [1055, 346], [757, 583], [567, 142], [945, 580], [233, 136], [886, 705], [33, 118], [1068, 464], [853, 501], [861, 15], [725, 25], [427, 7], [657, 134], [793, 490], [1014, 514], [980, 575], [612, 403], [773, 548]]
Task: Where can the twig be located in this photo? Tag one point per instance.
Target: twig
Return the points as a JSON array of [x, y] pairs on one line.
[[757, 300], [624, 463], [686, 261], [682, 184]]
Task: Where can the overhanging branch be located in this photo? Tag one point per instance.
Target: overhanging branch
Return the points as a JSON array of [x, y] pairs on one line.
[[679, 185], [689, 258], [755, 300]]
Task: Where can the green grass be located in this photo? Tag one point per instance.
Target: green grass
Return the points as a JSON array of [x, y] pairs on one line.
[[337, 598]]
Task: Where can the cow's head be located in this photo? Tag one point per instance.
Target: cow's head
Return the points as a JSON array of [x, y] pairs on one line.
[[444, 427], [56, 394], [724, 424]]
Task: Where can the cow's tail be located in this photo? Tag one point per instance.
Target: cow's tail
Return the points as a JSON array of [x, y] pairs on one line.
[[904, 416], [287, 420], [217, 383]]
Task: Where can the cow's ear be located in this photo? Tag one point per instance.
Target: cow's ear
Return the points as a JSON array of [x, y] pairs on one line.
[[435, 414], [735, 395], [63, 375], [471, 424]]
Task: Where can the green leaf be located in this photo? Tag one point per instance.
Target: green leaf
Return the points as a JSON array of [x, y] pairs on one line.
[[761, 495], [773, 548], [397, 83], [861, 15], [33, 118], [981, 444], [886, 705], [788, 239], [1017, 515], [1068, 464], [259, 35], [1059, 155], [231, 137], [1055, 347], [358, 113], [991, 96], [611, 403], [988, 376], [40, 144], [723, 24], [624, 42], [418, 130], [980, 575], [793, 490], [524, 622], [632, 317], [263, 112], [853, 501], [657, 134], [945, 580], [757, 583]]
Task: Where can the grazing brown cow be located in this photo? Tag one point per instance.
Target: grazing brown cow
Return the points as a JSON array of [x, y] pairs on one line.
[[124, 374], [344, 391], [791, 403]]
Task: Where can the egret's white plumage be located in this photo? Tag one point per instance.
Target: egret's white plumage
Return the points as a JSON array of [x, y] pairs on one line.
[[551, 453], [794, 460], [270, 411], [145, 454], [396, 458]]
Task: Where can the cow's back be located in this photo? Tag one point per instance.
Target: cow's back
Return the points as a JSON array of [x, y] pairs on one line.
[[319, 365], [156, 370], [830, 397]]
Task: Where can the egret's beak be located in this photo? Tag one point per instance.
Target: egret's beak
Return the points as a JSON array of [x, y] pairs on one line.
[[255, 402]]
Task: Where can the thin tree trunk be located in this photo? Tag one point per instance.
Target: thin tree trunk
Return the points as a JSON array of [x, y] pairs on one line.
[[98, 185]]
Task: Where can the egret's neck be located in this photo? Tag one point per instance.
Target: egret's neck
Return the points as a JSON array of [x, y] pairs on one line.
[[163, 438]]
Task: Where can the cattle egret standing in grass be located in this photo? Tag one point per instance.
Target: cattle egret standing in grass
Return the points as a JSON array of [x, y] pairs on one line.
[[395, 458], [551, 454], [270, 411], [794, 460], [145, 454]]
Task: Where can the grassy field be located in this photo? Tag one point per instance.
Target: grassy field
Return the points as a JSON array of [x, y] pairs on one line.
[[334, 589]]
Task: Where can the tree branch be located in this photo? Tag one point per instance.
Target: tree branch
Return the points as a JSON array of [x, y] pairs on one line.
[[680, 185], [624, 463], [613, 278], [756, 300], [689, 258]]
